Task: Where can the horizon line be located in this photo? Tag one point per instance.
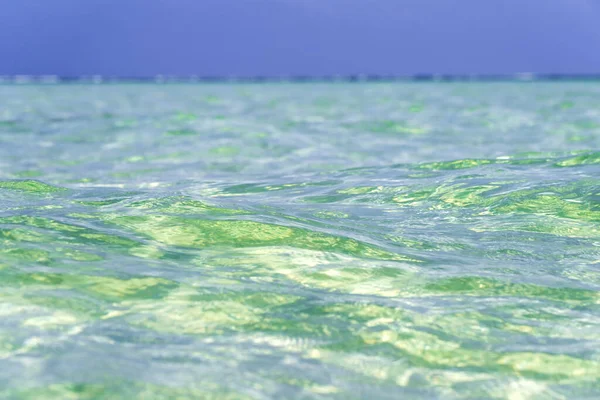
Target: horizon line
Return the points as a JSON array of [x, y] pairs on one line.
[[160, 78]]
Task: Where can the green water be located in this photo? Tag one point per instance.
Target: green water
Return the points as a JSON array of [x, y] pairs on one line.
[[300, 241]]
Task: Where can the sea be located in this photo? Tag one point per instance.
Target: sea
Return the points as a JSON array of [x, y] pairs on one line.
[[316, 240]]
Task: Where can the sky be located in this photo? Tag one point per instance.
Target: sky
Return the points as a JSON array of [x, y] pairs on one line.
[[298, 37]]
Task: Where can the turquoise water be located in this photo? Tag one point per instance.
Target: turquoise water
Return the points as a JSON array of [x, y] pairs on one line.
[[300, 241]]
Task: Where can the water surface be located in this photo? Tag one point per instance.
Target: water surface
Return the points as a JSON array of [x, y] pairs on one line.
[[300, 241]]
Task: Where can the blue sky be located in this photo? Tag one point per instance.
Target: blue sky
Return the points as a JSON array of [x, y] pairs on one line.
[[298, 37]]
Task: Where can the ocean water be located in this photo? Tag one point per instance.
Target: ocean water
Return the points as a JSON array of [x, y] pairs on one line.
[[300, 241]]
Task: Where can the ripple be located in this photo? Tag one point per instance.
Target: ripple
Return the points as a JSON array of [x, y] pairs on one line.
[[305, 241]]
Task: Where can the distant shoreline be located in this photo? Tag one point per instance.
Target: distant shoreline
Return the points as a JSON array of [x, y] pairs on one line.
[[98, 79]]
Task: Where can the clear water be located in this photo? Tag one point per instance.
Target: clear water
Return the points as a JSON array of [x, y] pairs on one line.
[[300, 241]]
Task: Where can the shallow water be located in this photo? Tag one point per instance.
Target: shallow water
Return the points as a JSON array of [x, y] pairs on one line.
[[300, 241]]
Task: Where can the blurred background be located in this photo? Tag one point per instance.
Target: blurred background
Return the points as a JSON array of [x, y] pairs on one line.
[[144, 38]]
